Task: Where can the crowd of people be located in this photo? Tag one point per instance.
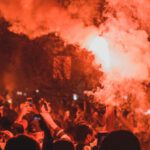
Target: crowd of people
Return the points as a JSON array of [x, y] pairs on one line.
[[39, 126]]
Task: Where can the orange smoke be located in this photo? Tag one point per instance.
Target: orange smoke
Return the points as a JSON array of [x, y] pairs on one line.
[[99, 46], [122, 49]]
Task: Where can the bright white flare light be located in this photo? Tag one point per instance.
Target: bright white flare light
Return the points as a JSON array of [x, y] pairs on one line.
[[147, 112], [99, 46]]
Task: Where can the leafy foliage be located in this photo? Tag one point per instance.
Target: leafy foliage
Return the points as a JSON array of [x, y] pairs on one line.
[[30, 62]]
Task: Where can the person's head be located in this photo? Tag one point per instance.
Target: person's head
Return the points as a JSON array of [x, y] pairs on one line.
[[63, 145], [22, 142], [17, 129], [120, 140], [83, 134]]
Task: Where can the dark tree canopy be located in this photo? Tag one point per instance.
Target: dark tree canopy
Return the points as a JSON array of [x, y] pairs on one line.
[[47, 63]]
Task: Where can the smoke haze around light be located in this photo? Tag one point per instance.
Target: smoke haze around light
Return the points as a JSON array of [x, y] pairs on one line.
[[120, 43]]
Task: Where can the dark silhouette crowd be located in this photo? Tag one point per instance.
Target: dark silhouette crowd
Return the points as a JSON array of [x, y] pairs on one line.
[[33, 127]]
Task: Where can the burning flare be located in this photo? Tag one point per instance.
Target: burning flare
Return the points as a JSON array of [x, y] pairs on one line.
[[99, 46]]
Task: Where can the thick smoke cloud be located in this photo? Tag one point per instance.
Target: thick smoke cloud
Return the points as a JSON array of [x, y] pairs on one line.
[[138, 10], [125, 29], [38, 17]]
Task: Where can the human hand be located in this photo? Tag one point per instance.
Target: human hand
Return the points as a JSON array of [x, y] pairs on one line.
[[25, 108]]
